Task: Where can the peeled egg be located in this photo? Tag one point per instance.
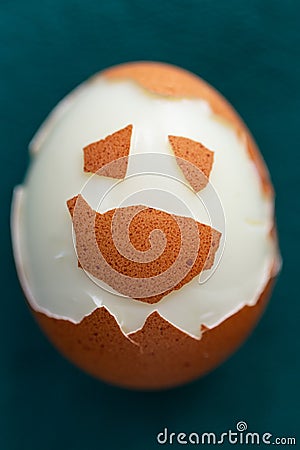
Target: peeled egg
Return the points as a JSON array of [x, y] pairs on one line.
[[144, 234]]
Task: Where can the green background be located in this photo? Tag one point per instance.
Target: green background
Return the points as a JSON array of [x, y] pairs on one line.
[[249, 50]]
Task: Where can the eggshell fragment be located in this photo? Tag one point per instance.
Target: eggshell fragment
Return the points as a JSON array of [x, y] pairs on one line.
[[191, 246], [109, 156], [190, 156]]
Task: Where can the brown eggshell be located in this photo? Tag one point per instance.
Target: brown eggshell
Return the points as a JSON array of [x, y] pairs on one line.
[[109, 156], [194, 159], [157, 356], [147, 220]]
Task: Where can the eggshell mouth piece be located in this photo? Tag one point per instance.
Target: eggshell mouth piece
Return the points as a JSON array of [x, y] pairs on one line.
[[42, 231], [142, 253]]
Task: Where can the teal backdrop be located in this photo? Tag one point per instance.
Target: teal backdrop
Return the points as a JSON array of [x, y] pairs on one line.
[[249, 50]]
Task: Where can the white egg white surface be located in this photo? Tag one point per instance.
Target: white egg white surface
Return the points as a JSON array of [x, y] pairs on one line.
[[42, 229]]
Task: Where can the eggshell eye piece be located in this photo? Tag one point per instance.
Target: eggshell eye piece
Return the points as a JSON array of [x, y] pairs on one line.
[[187, 150], [150, 254], [109, 156]]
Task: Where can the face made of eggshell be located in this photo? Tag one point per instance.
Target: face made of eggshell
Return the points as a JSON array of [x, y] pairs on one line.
[[142, 122], [126, 343], [114, 246]]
